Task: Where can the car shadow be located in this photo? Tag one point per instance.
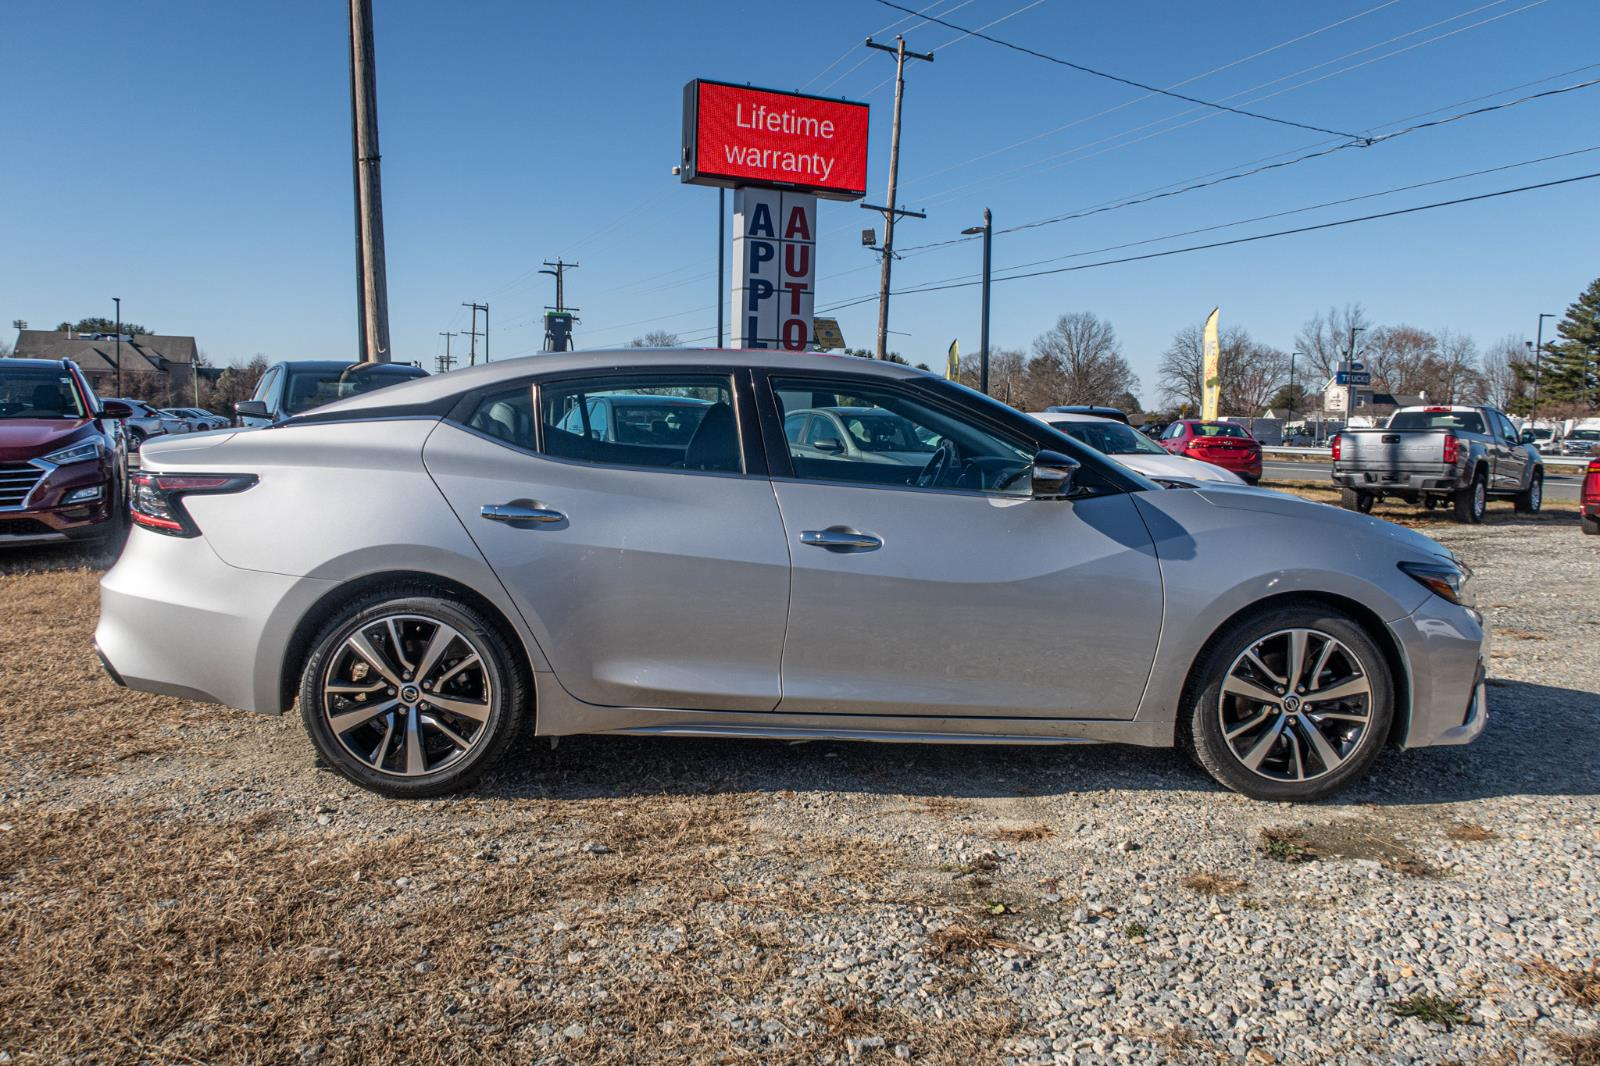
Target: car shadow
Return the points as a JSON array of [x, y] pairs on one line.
[[1539, 741]]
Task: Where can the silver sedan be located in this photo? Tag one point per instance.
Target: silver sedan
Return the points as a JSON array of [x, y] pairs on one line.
[[430, 568]]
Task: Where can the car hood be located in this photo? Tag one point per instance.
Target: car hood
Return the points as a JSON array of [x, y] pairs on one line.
[[22, 439], [1177, 466], [1336, 520]]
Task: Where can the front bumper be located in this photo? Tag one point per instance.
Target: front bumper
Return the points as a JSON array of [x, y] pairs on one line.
[[45, 516], [177, 620], [1446, 649]]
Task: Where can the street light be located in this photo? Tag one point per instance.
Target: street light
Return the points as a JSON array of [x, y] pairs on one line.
[[987, 229], [1538, 349], [118, 301]]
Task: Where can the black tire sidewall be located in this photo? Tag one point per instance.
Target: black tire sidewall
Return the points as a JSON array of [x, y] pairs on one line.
[[1204, 730], [1527, 502], [1466, 501], [507, 677]]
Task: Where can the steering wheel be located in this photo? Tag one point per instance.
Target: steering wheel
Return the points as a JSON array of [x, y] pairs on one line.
[[944, 460]]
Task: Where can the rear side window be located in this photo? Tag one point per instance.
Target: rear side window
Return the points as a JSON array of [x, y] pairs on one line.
[[669, 422], [1466, 421], [506, 416]]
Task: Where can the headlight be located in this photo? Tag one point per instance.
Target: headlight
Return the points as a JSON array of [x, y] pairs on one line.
[[1443, 577], [76, 453]]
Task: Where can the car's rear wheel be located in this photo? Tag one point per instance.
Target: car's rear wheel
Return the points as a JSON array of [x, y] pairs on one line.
[[1351, 500], [135, 438], [1530, 499], [1292, 704], [410, 695], [1473, 501]]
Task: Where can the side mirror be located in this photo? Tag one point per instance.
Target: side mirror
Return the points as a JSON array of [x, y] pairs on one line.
[[830, 445], [1052, 475], [115, 410], [251, 409]]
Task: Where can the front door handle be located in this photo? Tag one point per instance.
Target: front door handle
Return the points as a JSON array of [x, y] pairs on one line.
[[516, 513], [841, 539]]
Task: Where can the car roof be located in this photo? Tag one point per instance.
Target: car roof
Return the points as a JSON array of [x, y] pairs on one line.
[[438, 387], [342, 364], [1049, 417], [55, 364]]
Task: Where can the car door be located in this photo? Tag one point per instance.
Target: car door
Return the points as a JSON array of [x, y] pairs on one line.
[[1511, 461], [651, 576], [947, 589]]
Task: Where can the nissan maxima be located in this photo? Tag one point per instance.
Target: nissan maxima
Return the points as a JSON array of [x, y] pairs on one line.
[[431, 568]]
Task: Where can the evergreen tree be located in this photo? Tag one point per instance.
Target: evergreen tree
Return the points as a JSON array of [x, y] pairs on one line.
[[1568, 371]]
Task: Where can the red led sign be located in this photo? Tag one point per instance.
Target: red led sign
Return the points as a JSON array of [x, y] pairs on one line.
[[736, 135]]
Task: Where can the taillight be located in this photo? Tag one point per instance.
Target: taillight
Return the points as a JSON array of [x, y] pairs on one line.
[[156, 501], [1334, 442], [1452, 448]]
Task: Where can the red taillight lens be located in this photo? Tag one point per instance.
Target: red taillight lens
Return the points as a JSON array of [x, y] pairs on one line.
[[1452, 448], [156, 500], [1335, 443]]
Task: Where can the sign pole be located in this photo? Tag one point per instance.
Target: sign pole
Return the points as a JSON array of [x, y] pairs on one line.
[[722, 222]]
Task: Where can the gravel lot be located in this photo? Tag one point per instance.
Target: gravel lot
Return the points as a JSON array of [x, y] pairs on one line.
[[181, 883]]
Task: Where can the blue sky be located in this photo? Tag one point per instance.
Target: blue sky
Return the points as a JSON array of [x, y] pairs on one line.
[[197, 165]]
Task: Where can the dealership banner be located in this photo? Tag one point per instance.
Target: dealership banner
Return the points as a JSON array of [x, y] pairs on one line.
[[1211, 376], [774, 268], [736, 135]]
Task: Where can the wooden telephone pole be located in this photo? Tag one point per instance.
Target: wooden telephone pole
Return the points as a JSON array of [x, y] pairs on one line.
[[890, 212], [374, 280]]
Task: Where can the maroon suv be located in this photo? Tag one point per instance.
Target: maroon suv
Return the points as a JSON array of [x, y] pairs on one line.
[[63, 463]]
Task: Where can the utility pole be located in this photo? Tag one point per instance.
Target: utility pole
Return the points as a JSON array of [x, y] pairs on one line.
[[446, 361], [369, 187], [1538, 349], [473, 354], [118, 301], [890, 212], [559, 273], [987, 229]]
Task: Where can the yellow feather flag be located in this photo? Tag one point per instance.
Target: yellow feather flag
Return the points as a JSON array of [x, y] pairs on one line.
[[1211, 376], [952, 362]]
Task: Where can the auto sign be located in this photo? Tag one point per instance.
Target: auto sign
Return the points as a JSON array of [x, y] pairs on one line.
[[736, 135]]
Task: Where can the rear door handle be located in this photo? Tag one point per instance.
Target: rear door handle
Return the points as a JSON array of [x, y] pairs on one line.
[[514, 513], [840, 539]]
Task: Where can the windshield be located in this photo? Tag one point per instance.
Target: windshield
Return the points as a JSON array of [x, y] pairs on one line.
[[313, 388], [1584, 434], [38, 392], [1466, 421], [885, 433], [1110, 438]]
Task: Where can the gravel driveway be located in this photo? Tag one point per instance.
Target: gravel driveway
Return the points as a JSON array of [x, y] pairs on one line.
[[181, 883]]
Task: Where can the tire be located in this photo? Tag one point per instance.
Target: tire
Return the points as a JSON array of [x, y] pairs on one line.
[[1430, 503], [136, 439], [1591, 526], [1472, 501], [1530, 499], [1351, 500], [414, 747], [1248, 480], [1281, 742]]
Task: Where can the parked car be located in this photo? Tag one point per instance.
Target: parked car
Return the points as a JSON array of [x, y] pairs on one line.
[[1436, 455], [143, 422], [1542, 439], [1088, 409], [857, 434], [1589, 499], [1225, 444], [1136, 451], [424, 586], [295, 387], [1583, 441], [63, 457], [198, 418]]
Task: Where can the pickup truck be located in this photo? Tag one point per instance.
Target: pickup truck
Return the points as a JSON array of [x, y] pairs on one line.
[[1436, 455]]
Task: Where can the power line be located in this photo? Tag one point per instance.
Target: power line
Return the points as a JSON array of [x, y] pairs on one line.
[[957, 40], [1116, 77], [1238, 240]]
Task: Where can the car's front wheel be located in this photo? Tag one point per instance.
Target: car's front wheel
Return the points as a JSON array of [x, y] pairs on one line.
[[410, 695], [1291, 704], [1531, 499]]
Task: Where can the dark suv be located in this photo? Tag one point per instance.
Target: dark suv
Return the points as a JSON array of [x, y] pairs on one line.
[[63, 456], [295, 387]]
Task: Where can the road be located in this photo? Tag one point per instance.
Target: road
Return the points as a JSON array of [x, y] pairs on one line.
[[1561, 486]]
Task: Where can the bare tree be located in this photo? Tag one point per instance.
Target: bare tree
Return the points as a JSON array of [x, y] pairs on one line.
[[656, 338], [1449, 374], [1251, 372], [1326, 339], [1498, 383], [1078, 361], [1397, 357]]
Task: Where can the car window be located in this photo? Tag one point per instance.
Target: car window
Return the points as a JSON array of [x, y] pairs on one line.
[[1219, 429], [672, 422], [1173, 432], [309, 389], [38, 392], [792, 427], [507, 416], [265, 385], [1110, 438], [897, 439], [1466, 421]]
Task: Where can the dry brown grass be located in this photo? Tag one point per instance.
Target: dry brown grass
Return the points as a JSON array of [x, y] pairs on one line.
[[964, 938], [1209, 884], [1580, 986], [1576, 1049], [1022, 834], [1468, 833], [1358, 838]]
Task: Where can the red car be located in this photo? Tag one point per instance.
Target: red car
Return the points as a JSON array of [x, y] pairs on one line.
[[63, 461], [1589, 499], [1224, 444]]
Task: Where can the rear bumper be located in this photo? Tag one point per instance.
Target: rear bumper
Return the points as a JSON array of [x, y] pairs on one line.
[[220, 634], [1445, 481], [1241, 464], [1445, 648]]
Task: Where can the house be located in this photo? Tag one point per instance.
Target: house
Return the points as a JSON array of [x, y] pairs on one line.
[[157, 368]]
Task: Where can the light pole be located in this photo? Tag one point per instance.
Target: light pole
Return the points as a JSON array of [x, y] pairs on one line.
[[987, 229], [1538, 349], [118, 301], [1292, 356]]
